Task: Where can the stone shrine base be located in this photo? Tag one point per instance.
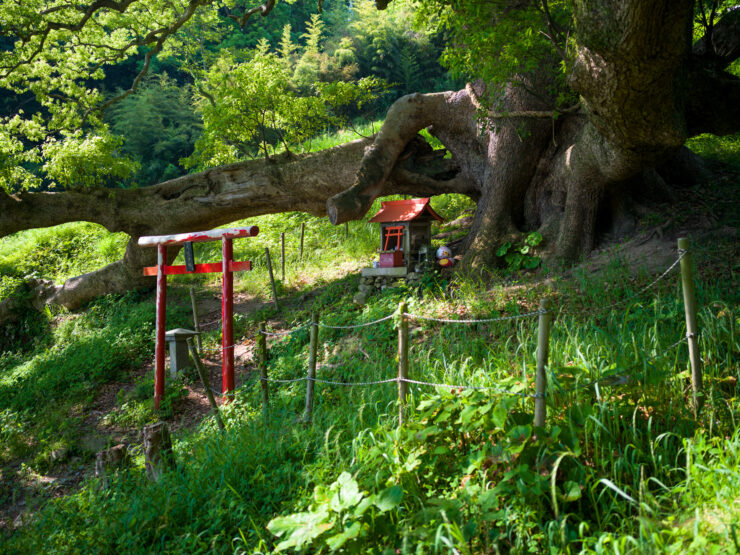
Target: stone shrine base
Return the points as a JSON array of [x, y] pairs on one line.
[[377, 279]]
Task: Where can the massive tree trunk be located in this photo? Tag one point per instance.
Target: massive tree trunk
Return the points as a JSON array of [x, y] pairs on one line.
[[643, 91], [572, 177], [211, 198]]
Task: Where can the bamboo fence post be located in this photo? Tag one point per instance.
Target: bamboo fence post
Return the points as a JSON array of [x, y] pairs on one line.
[[303, 232], [272, 277], [689, 302], [543, 347], [196, 320], [206, 385], [313, 347], [403, 363], [282, 256], [262, 363]]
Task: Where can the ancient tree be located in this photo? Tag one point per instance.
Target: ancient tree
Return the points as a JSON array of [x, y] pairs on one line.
[[564, 145]]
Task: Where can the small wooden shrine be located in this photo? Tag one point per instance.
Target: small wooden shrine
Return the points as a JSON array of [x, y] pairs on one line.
[[405, 230]]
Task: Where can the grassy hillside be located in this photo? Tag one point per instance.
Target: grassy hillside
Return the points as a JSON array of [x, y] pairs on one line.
[[622, 468]]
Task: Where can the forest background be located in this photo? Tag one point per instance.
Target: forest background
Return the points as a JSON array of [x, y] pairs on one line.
[[624, 468]]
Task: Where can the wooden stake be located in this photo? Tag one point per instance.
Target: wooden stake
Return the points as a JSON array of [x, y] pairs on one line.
[[262, 363], [272, 277], [543, 347], [282, 256], [689, 303], [346, 230], [157, 446], [206, 384], [303, 232], [403, 363], [196, 319], [313, 347]]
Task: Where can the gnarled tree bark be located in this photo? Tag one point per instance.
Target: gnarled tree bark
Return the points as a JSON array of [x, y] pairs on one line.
[[208, 199], [643, 91]]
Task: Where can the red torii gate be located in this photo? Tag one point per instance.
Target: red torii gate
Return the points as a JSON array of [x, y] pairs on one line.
[[227, 266]]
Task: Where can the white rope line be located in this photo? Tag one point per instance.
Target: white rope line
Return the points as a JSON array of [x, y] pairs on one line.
[[617, 379], [287, 332], [477, 321], [681, 254], [407, 380], [357, 325], [283, 381], [328, 382], [476, 387]]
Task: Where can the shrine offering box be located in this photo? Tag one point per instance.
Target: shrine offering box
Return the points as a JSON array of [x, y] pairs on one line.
[[391, 259]]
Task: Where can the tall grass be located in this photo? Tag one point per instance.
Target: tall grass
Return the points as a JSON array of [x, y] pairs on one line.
[[618, 471], [625, 468]]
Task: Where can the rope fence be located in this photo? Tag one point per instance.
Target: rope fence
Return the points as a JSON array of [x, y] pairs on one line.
[[545, 315]]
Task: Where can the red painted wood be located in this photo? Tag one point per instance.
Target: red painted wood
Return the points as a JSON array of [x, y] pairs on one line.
[[391, 259], [227, 317], [404, 210], [161, 323], [227, 266], [198, 236], [207, 268]]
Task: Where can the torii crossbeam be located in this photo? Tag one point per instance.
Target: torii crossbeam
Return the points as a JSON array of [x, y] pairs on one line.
[[227, 267]]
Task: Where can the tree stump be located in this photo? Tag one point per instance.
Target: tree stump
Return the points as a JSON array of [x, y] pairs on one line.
[[109, 460], [158, 456]]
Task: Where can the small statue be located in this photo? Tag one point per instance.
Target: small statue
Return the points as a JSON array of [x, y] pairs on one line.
[[444, 257]]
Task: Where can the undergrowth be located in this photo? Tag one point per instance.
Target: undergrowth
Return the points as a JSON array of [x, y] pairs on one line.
[[618, 470], [622, 467]]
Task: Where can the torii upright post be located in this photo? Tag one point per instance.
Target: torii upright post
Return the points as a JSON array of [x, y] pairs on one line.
[[161, 324], [227, 316], [227, 267]]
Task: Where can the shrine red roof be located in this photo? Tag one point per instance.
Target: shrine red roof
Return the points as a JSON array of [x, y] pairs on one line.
[[404, 210]]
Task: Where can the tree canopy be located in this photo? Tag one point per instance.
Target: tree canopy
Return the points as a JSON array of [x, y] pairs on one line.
[[574, 112], [74, 74]]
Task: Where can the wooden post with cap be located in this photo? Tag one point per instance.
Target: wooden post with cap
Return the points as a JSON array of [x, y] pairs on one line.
[[262, 363], [689, 303], [312, 355], [543, 348], [403, 363]]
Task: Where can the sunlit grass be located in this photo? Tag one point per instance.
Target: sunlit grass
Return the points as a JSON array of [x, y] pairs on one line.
[[618, 469]]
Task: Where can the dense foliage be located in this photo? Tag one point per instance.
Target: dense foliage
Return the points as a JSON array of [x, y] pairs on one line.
[[623, 469], [84, 113]]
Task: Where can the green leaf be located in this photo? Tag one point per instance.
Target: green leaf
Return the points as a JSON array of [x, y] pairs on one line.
[[347, 493], [467, 414], [426, 432], [572, 491], [503, 249], [300, 529], [520, 433], [337, 541], [499, 416], [389, 498]]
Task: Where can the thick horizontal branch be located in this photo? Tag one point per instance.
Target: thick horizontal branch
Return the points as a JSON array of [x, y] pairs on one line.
[[221, 195], [198, 201], [712, 103], [406, 117], [263, 9], [721, 45]]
